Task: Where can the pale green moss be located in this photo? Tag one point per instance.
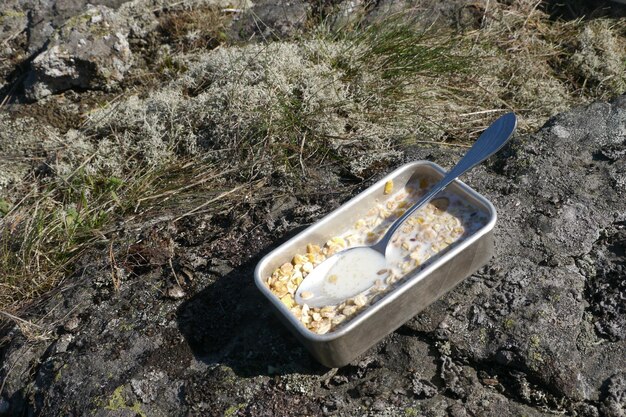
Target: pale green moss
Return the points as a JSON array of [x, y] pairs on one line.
[[411, 412], [535, 357], [126, 327], [118, 402], [13, 13], [508, 324], [482, 335], [75, 21], [534, 341], [59, 374], [230, 411]]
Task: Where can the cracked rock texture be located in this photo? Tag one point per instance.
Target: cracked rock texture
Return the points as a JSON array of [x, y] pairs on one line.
[[540, 329], [90, 50], [49, 31]]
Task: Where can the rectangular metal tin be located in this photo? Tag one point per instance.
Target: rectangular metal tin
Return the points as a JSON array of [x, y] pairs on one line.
[[440, 275]]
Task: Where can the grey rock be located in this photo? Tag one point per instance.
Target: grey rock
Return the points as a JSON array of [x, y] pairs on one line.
[[81, 43], [40, 19], [550, 301], [454, 13], [453, 377], [147, 388], [457, 410], [220, 267], [71, 325], [63, 343], [272, 19], [47, 16], [26, 26], [13, 36], [13, 18], [423, 388], [347, 13], [614, 405], [90, 50], [175, 292], [5, 406]]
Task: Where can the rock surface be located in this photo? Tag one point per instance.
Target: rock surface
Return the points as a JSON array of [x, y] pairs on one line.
[[541, 329], [32, 29], [89, 51], [273, 19]]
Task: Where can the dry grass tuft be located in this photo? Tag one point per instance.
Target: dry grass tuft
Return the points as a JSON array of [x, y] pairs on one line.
[[527, 61], [198, 28], [515, 58], [44, 234]]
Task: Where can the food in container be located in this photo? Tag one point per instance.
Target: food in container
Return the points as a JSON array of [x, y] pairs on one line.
[[437, 247]]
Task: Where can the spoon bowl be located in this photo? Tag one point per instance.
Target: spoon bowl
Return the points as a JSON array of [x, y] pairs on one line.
[[354, 270], [351, 271]]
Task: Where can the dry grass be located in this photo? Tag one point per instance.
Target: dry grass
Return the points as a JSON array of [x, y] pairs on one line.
[[200, 28], [529, 60], [43, 235], [514, 58]]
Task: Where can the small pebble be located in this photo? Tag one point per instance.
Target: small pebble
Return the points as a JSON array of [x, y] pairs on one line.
[[72, 324], [175, 292]]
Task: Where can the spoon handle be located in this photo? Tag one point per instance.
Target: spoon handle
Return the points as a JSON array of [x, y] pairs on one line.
[[489, 142]]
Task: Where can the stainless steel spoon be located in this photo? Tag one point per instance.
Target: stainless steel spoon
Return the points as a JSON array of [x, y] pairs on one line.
[[354, 270]]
